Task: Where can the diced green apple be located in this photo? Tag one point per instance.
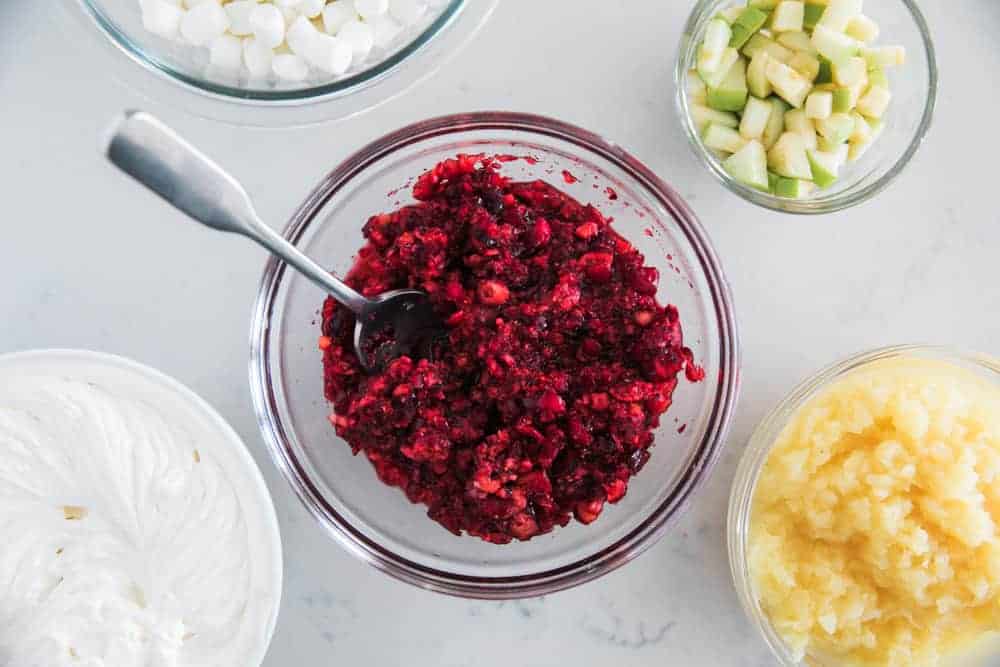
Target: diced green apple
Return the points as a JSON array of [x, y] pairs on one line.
[[704, 116], [805, 64], [862, 29], [857, 149], [837, 128], [884, 56], [760, 42], [788, 16], [715, 77], [746, 26], [825, 167], [874, 103], [749, 166], [834, 46], [766, 5], [793, 188], [813, 14], [878, 79], [788, 83], [697, 91], [797, 41], [839, 13], [776, 123], [721, 138], [731, 94], [862, 130], [849, 73], [772, 180], [757, 75], [843, 100], [788, 157], [825, 71], [717, 36], [819, 105], [755, 118], [729, 14], [796, 121]]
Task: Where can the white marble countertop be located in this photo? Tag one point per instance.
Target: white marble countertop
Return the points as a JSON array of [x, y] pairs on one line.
[[88, 261]]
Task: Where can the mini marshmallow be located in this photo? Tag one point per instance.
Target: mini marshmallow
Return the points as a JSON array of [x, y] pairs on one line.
[[331, 54], [161, 17], [203, 23], [290, 67], [407, 12], [257, 57], [337, 13], [239, 16], [310, 8], [301, 36], [268, 25], [226, 52], [360, 36], [385, 30], [370, 10]]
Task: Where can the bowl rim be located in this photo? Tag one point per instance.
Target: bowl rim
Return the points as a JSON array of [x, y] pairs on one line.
[[820, 205], [758, 449], [197, 403], [594, 565], [445, 36]]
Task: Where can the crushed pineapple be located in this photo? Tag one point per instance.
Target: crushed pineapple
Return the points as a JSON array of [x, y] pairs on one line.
[[874, 529]]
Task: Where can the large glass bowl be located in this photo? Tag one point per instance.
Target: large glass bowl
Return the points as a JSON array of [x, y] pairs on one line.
[[914, 91], [164, 69], [756, 455], [376, 522]]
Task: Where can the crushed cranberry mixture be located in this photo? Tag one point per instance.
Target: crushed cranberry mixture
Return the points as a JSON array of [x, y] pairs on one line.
[[558, 363]]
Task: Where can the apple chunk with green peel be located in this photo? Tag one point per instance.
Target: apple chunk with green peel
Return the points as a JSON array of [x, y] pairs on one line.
[[789, 84], [731, 93], [749, 166], [788, 157]]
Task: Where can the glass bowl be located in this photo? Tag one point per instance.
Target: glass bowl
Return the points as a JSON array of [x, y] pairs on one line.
[[914, 91], [759, 447], [376, 522], [160, 68]]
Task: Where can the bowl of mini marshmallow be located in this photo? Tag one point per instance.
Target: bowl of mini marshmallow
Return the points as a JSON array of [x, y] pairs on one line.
[[280, 62]]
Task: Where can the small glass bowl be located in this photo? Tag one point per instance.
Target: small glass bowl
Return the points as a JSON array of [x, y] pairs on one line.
[[377, 523], [759, 448], [914, 91], [180, 73]]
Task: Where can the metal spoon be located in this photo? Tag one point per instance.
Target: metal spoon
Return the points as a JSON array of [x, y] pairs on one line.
[[394, 323]]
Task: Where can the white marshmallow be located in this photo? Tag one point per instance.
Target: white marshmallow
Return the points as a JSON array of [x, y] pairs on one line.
[[290, 67], [257, 57], [161, 17], [268, 25], [310, 8], [301, 36], [191, 4], [369, 10], [386, 30], [203, 23], [286, 4], [360, 36], [331, 54], [239, 16], [226, 52], [337, 13], [407, 12]]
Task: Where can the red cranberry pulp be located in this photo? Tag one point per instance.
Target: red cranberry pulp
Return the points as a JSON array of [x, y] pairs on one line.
[[558, 362]]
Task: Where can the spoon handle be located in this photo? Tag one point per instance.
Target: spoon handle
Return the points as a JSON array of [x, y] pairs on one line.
[[155, 156]]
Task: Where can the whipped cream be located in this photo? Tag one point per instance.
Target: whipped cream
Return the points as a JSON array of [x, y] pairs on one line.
[[133, 532]]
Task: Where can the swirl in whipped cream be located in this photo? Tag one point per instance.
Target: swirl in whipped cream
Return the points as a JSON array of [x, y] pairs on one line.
[[131, 538]]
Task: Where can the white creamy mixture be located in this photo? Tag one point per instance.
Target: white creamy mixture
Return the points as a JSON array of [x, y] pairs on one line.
[[130, 536]]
